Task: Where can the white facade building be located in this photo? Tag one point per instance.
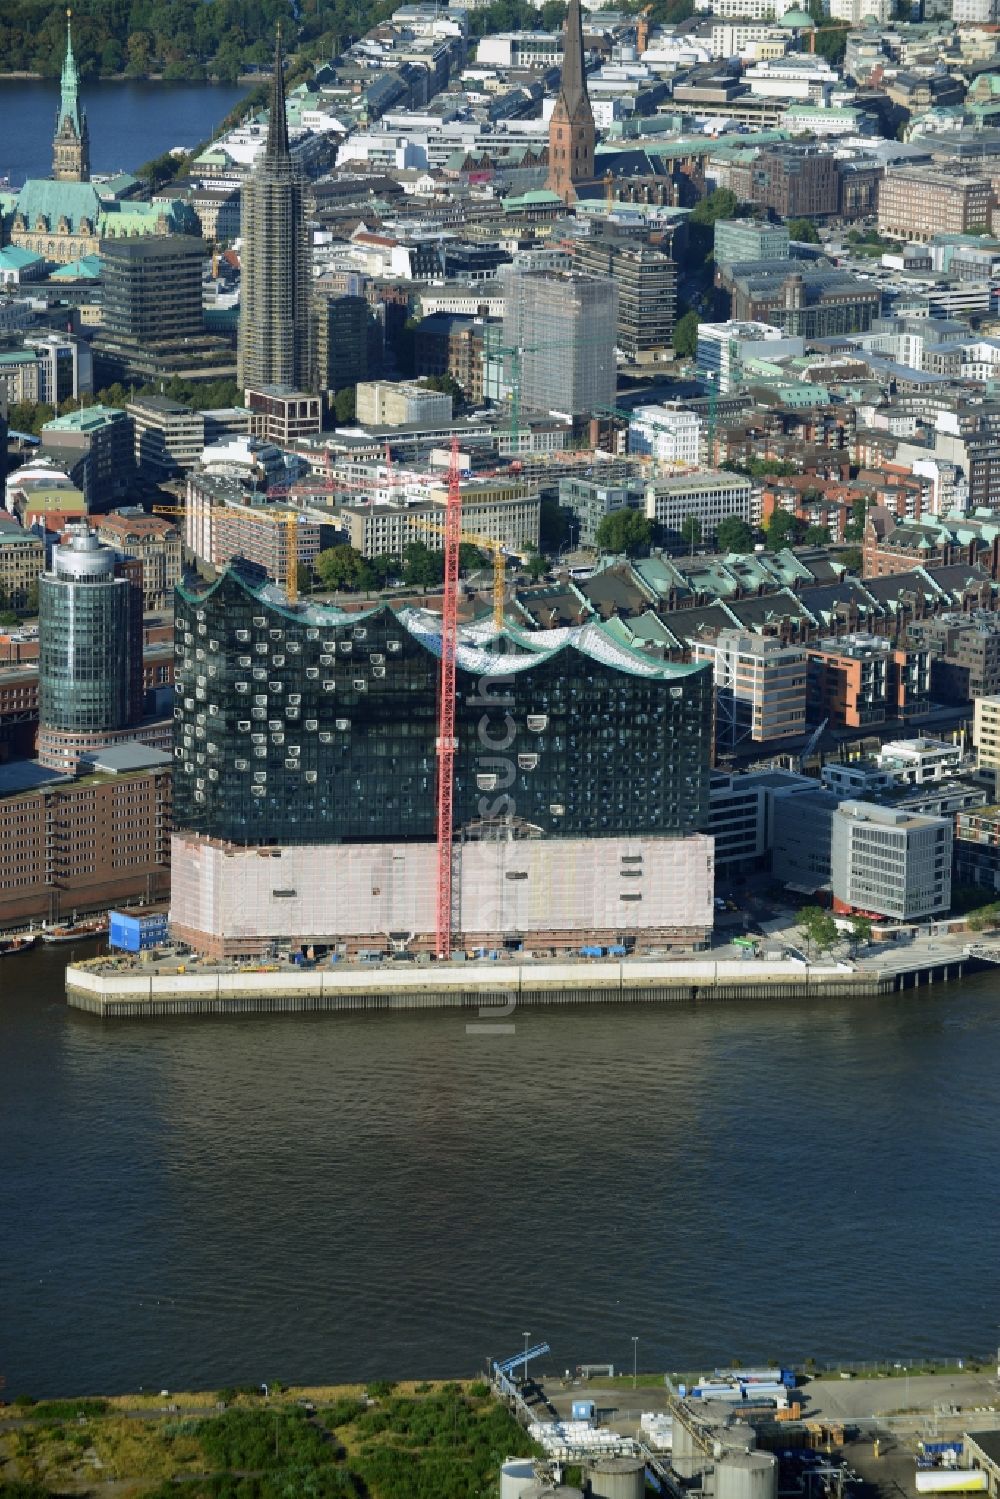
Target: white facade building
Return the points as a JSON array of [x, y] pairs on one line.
[[709, 495], [723, 347], [668, 435]]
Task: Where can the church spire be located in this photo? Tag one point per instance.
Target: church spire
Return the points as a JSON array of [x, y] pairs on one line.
[[69, 106], [573, 89], [71, 145], [571, 128], [277, 126]]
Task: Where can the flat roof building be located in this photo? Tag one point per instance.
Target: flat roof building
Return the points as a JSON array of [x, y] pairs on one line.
[[887, 861]]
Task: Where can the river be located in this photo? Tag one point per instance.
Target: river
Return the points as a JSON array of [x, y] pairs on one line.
[[325, 1198], [130, 122]]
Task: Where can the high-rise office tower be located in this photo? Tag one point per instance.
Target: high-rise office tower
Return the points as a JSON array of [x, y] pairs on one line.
[[90, 650], [71, 143], [565, 325], [274, 338], [571, 128], [151, 288]]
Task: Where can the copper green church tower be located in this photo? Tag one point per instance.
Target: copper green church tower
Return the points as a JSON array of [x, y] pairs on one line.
[[71, 144]]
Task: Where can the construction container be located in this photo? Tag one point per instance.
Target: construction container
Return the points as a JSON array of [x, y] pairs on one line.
[[136, 933], [951, 1480], [747, 1475], [583, 1410], [617, 1478]]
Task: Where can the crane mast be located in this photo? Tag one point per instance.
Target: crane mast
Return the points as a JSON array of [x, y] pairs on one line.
[[446, 705]]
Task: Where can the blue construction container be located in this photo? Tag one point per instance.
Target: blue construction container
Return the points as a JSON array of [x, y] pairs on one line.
[[136, 933], [584, 1410]]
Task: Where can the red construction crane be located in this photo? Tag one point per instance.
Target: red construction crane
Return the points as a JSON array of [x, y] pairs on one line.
[[446, 703]]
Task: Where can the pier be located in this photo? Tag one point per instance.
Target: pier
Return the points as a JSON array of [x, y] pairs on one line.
[[489, 993]]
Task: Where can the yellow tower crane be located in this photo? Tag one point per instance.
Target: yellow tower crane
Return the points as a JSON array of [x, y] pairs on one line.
[[488, 543], [289, 519]]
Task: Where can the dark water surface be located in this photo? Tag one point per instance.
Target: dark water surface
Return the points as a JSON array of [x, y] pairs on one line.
[[130, 123], [318, 1198]]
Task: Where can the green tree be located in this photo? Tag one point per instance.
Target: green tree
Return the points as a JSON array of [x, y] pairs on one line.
[[816, 535], [861, 930], [386, 568], [536, 566], [985, 918], [422, 568], [831, 42], [470, 558], [721, 204], [691, 531], [817, 927], [685, 338], [804, 230], [852, 559], [784, 530], [733, 535], [342, 567], [624, 531], [345, 405], [855, 528]]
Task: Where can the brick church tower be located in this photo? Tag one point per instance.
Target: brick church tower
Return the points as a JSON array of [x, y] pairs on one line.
[[571, 128]]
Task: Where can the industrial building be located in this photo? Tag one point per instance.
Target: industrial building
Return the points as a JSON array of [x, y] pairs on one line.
[[305, 756]]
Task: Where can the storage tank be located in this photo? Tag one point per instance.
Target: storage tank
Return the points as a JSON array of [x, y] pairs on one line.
[[516, 1476], [544, 1490], [739, 1437], [747, 1475], [617, 1478]]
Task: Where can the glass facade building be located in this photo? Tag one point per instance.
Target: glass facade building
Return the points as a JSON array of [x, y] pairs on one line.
[[312, 725], [90, 640]]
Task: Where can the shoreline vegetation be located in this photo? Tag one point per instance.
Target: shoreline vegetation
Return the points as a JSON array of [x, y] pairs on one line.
[[244, 80], [412, 1440]]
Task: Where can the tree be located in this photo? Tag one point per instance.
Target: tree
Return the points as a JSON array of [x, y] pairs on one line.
[[422, 568], [852, 559], [817, 927], [984, 918], [804, 230], [816, 535], [855, 528], [624, 531], [722, 204], [345, 404], [686, 336], [733, 535], [783, 530], [385, 569], [342, 567], [861, 930], [536, 566], [470, 558], [691, 531]]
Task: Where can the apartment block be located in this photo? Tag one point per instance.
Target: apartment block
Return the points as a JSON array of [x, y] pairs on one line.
[[760, 687], [283, 415], [916, 203], [157, 544], [857, 680], [385, 403], [964, 652], [986, 732], [886, 861], [169, 437], [22, 557]]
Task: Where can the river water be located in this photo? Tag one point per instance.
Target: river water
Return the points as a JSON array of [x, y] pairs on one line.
[[130, 122], [322, 1198]]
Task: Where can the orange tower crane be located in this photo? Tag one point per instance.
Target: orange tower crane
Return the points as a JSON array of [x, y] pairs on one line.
[[446, 744]]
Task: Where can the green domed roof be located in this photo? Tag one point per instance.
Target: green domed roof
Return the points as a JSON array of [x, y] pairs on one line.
[[797, 20]]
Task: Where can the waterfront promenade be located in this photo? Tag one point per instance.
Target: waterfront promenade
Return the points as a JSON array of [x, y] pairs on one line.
[[492, 991]]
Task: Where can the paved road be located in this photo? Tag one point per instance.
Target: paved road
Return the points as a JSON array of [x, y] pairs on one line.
[[855, 1399]]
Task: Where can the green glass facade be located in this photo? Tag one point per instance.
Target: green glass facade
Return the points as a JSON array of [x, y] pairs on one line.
[[90, 641], [316, 726]]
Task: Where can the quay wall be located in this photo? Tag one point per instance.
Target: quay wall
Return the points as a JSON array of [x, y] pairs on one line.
[[487, 992]]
